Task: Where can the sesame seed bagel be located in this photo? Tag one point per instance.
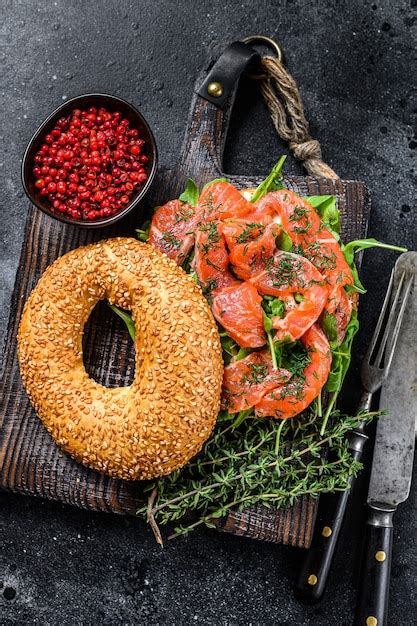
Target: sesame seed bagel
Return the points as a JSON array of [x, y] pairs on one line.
[[162, 419]]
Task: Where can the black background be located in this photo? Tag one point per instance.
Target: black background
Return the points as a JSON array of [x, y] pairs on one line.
[[352, 60]]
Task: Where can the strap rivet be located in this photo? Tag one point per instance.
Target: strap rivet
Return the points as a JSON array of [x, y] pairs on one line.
[[371, 621], [380, 556], [215, 89], [312, 580], [327, 531]]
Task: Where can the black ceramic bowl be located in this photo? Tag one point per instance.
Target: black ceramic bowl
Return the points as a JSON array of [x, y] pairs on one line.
[[111, 103]]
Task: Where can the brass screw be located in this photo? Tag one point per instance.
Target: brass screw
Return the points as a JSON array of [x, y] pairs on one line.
[[215, 89], [312, 580], [371, 621], [380, 556], [327, 531]]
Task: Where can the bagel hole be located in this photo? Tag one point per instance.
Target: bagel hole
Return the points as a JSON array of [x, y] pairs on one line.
[[108, 350]]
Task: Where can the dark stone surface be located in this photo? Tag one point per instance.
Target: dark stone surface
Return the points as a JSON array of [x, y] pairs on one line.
[[352, 61]]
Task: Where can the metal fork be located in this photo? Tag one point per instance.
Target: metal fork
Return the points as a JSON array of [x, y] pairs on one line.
[[314, 571], [378, 359]]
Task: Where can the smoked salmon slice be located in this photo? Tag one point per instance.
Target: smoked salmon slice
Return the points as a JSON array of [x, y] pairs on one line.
[[238, 309], [300, 286], [211, 259], [298, 218], [172, 229], [293, 397], [221, 200], [246, 381], [251, 244]]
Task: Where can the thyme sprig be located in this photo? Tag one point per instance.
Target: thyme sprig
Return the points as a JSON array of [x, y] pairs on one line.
[[260, 461]]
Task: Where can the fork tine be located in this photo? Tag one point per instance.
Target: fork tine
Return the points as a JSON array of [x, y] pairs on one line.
[[393, 339], [387, 329], [381, 317]]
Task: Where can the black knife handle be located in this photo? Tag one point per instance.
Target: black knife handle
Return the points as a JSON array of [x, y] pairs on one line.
[[372, 602], [314, 571]]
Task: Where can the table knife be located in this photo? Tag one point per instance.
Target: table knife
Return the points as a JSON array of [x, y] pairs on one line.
[[392, 463]]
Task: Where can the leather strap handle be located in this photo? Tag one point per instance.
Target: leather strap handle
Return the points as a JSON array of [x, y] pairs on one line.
[[201, 153], [223, 77]]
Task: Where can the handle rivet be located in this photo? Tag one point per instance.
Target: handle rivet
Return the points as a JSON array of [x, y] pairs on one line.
[[327, 531], [380, 556], [312, 580], [371, 621], [215, 89]]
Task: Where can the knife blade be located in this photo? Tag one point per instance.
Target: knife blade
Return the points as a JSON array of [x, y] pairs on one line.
[[392, 463]]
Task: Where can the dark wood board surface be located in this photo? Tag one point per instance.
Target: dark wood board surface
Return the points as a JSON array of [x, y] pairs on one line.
[[30, 462]]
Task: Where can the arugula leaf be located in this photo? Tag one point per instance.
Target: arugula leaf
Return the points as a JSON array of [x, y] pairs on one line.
[[320, 202], [231, 350], [329, 326], [130, 324], [228, 345], [241, 416], [215, 180], [270, 337], [340, 364], [242, 353], [351, 248], [272, 307], [342, 356], [267, 322], [190, 193], [284, 242], [329, 213], [277, 308], [271, 183], [143, 233], [357, 284]]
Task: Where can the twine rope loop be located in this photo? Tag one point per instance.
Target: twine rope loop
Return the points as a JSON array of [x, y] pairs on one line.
[[283, 100]]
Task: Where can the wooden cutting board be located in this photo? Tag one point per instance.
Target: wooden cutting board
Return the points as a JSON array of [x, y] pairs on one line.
[[30, 462]]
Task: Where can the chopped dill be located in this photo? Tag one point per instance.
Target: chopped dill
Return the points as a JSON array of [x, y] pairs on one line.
[[184, 214], [208, 287], [258, 373], [216, 267], [212, 235], [298, 213], [171, 242], [249, 232]]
